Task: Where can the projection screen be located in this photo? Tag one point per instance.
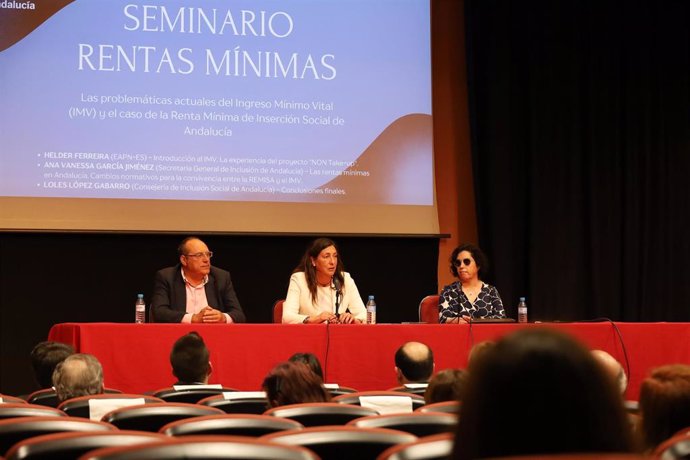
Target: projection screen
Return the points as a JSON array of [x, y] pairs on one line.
[[222, 116]]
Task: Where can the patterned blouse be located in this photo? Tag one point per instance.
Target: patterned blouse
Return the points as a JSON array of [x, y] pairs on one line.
[[453, 303]]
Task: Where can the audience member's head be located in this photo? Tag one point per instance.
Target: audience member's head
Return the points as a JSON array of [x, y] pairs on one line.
[[310, 360], [538, 391], [189, 359], [446, 385], [613, 369], [44, 357], [79, 374], [478, 350], [414, 362], [664, 403], [293, 383]]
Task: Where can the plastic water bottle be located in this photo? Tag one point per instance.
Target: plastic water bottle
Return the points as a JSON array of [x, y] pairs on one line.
[[371, 310], [522, 310], [140, 309]]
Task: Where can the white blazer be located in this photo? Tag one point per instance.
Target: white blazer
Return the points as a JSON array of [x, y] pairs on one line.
[[298, 302]]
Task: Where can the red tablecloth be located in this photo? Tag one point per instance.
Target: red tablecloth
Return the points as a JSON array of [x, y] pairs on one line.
[[135, 356]]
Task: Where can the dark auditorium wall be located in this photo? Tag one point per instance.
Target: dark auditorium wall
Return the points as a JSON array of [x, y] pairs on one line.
[[581, 146], [54, 278]]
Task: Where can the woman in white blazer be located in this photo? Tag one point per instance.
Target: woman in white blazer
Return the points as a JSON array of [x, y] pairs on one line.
[[321, 291]]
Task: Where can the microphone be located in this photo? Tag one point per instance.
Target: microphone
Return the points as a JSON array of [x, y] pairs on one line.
[[338, 295]]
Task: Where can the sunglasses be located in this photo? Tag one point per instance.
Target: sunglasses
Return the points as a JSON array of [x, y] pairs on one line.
[[459, 262]]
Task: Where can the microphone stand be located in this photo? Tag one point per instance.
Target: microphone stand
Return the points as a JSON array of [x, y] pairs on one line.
[[336, 286]]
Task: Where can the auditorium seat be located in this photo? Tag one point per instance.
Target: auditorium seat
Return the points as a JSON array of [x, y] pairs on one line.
[[58, 446], [449, 407], [354, 398], [151, 417], [337, 390], [191, 395], [278, 311], [28, 410], [318, 414], [676, 447], [17, 429], [230, 424], [414, 389], [7, 399], [428, 309], [343, 442], [436, 447], [79, 406], [205, 447], [417, 423], [578, 456], [48, 397], [250, 404]]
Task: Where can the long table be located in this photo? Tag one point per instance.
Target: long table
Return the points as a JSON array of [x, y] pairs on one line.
[[135, 357]]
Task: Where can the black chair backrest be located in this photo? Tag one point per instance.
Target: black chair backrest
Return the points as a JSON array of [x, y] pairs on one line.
[[58, 446], [675, 447], [437, 447], [319, 414], [191, 396], [417, 423], [343, 442], [353, 398], [416, 390], [340, 391], [28, 410], [13, 430], [230, 424], [250, 405], [204, 447], [48, 396], [152, 417], [447, 407], [79, 407], [11, 399]]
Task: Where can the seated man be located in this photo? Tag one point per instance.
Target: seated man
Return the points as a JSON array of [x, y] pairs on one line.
[[189, 359], [45, 356], [193, 291], [414, 363], [79, 374]]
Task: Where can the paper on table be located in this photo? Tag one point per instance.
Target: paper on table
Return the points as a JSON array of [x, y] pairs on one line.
[[243, 394], [416, 385], [214, 386], [99, 407], [387, 404]]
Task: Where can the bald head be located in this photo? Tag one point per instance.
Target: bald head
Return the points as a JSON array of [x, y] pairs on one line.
[[612, 368], [78, 375], [414, 362]]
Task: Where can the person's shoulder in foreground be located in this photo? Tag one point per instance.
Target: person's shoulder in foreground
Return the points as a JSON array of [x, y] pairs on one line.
[[539, 391]]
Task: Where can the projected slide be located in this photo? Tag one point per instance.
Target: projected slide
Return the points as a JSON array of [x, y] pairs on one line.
[[266, 101]]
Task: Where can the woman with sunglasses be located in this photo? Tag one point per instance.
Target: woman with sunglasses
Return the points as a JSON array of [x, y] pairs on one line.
[[469, 297]]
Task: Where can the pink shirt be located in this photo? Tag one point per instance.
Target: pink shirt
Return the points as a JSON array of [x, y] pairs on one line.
[[196, 299]]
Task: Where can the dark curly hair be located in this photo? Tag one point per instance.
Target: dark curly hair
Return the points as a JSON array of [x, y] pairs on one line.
[[477, 254]]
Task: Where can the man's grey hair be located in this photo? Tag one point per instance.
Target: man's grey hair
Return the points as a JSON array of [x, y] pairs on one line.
[[78, 375]]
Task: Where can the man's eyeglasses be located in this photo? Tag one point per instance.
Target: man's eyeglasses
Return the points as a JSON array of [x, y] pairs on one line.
[[459, 262], [199, 255]]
